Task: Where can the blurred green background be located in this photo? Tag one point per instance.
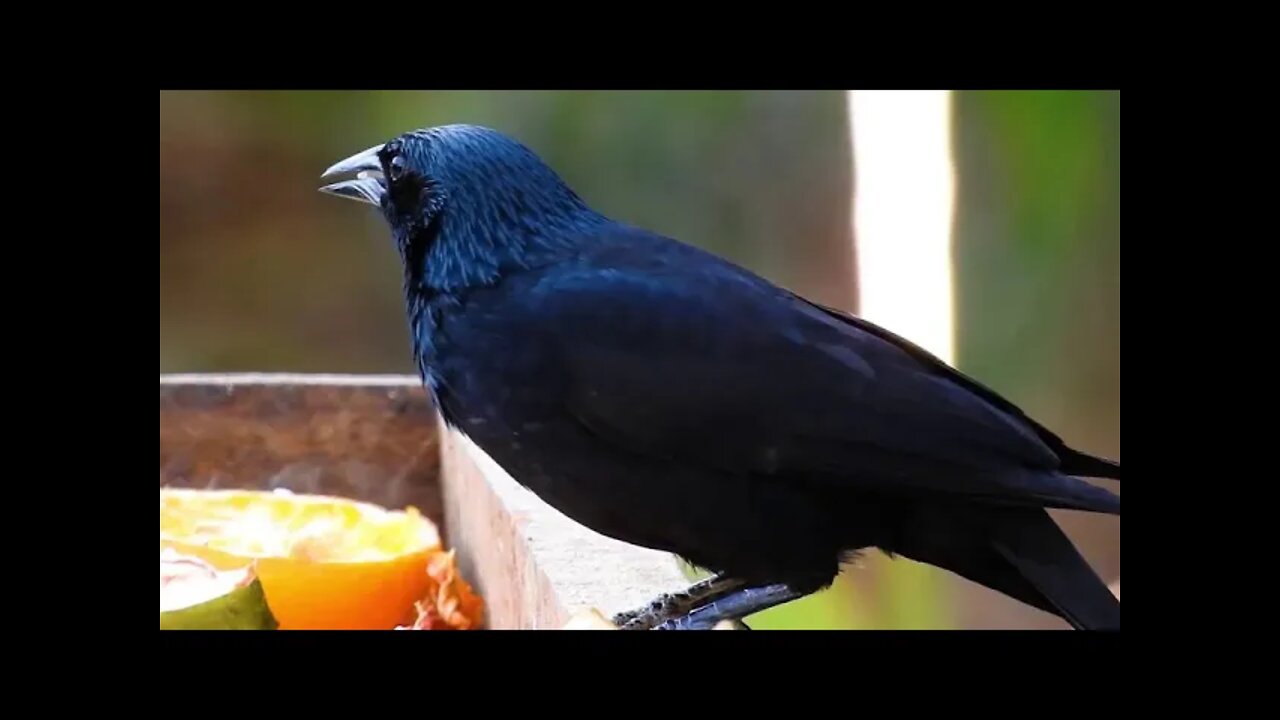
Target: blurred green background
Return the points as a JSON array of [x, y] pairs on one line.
[[260, 272]]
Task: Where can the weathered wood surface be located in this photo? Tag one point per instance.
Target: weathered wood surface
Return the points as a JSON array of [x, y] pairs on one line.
[[377, 438], [371, 438]]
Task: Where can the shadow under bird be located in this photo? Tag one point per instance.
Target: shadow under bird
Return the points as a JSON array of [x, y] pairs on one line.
[[665, 397]]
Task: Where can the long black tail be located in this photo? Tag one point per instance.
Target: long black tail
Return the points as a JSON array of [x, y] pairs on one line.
[[1021, 553], [1033, 545], [1075, 462]]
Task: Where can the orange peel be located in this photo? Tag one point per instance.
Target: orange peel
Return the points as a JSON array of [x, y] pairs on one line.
[[324, 562]]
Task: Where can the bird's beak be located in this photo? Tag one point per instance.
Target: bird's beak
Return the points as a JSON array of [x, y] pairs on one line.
[[367, 187]]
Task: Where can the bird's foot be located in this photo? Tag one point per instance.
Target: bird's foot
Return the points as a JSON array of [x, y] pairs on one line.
[[732, 607], [672, 605]]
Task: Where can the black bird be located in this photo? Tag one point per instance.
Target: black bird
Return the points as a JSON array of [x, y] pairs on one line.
[[665, 397]]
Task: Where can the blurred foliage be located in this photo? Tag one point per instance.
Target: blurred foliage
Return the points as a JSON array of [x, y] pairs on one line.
[[1038, 222], [259, 272], [1037, 266]]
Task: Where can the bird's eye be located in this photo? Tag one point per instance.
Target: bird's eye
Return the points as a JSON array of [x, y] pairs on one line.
[[396, 167]]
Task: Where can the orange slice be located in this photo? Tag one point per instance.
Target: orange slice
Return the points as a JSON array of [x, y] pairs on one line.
[[324, 562]]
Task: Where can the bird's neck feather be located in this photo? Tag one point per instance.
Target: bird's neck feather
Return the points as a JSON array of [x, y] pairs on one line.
[[475, 244]]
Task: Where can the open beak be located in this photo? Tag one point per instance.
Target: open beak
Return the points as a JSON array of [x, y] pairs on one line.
[[367, 187]]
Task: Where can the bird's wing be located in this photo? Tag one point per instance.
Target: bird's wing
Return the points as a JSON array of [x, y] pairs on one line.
[[691, 359], [1071, 461]]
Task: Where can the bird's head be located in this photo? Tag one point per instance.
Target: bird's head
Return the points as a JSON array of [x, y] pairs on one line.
[[464, 202]]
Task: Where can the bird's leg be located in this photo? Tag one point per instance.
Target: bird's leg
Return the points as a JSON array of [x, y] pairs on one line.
[[671, 605], [734, 606]]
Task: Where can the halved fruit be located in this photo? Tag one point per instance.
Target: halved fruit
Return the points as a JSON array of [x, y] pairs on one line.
[[324, 562], [194, 595]]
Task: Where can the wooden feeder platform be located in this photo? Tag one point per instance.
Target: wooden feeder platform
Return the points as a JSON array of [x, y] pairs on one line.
[[380, 440]]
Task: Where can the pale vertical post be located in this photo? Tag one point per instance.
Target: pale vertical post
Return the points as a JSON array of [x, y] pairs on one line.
[[903, 212]]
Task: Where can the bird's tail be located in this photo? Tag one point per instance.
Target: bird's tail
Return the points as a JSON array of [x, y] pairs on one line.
[[1075, 462], [1021, 553]]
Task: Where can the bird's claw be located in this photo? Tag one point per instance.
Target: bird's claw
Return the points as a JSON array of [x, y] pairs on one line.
[[731, 608], [693, 621], [669, 606], [646, 617]]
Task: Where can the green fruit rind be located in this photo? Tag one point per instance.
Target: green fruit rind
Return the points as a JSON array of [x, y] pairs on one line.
[[244, 608], [194, 595]]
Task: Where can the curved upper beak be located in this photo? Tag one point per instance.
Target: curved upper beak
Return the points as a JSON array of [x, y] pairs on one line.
[[367, 187]]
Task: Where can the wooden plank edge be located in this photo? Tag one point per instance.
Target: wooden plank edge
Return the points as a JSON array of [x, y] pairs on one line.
[[538, 568]]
